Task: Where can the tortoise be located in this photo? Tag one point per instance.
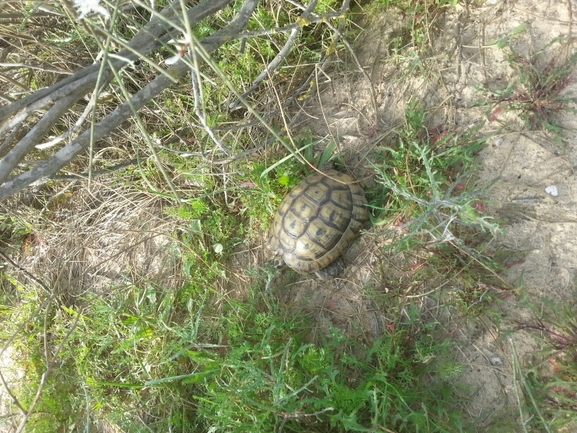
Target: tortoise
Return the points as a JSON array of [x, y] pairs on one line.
[[316, 222]]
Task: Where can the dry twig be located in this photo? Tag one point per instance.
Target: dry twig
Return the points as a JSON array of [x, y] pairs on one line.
[[21, 133]]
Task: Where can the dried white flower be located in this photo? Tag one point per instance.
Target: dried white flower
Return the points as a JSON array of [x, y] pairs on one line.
[[182, 46], [172, 60], [84, 7]]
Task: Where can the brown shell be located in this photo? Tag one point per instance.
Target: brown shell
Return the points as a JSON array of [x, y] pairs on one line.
[[317, 220]]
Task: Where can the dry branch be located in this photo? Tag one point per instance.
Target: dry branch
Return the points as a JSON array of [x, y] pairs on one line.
[[65, 93], [52, 103]]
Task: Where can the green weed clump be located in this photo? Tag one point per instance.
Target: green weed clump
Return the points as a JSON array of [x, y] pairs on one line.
[[423, 206], [536, 92], [422, 180], [272, 380], [145, 359]]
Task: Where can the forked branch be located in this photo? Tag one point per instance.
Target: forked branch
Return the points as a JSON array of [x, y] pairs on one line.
[[52, 103]]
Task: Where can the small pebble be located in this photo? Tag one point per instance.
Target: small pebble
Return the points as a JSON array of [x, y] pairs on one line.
[[552, 190], [496, 361]]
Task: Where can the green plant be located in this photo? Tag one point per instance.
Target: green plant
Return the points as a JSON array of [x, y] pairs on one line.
[[436, 228], [303, 157], [210, 229], [536, 92], [13, 230], [272, 380], [421, 183], [420, 19], [550, 386], [102, 356]]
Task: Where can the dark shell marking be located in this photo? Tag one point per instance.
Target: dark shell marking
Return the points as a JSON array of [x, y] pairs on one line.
[[317, 220]]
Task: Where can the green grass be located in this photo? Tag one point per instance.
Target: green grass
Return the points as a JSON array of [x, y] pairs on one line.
[[550, 386], [250, 366], [145, 358], [272, 379]]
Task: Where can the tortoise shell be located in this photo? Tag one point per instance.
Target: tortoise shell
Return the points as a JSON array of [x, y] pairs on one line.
[[317, 220]]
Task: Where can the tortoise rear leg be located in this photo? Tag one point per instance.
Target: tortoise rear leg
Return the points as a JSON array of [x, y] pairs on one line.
[[331, 270]]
